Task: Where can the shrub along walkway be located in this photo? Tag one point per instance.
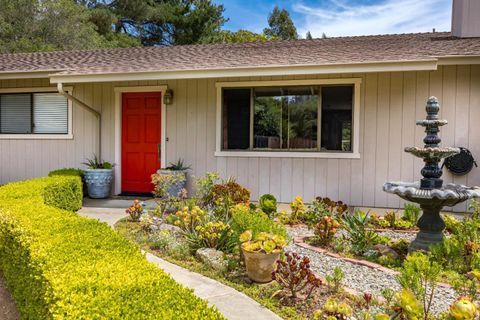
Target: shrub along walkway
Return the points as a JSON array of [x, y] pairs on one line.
[[231, 303]]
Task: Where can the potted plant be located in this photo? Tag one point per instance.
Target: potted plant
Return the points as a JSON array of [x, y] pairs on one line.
[[170, 181], [98, 178], [260, 254]]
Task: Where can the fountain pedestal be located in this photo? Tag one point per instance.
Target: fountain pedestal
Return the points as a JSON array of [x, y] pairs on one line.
[[430, 193]]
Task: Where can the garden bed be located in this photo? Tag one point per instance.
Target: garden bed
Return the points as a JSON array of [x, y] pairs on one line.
[[219, 233]]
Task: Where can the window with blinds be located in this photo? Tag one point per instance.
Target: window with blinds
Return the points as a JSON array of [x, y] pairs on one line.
[[33, 113]]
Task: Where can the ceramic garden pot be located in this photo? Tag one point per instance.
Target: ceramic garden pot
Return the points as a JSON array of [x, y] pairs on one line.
[[260, 265], [99, 182], [179, 180]]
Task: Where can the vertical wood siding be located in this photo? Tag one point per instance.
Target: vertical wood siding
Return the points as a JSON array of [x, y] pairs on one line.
[[390, 103]]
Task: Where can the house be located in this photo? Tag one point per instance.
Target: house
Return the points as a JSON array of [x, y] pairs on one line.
[[326, 117]]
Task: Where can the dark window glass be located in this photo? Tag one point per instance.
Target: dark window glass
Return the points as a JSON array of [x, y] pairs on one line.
[[16, 113], [337, 109], [236, 119], [285, 118]]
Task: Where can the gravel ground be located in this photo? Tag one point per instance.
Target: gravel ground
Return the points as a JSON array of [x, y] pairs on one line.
[[361, 278], [304, 231]]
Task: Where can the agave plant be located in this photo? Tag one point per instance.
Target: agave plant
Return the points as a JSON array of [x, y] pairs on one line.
[[360, 238]]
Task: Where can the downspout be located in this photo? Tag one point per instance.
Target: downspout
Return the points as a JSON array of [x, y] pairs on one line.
[[88, 108]]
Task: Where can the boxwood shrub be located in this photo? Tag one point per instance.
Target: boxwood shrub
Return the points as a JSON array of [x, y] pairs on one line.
[[64, 192], [67, 172], [59, 265]]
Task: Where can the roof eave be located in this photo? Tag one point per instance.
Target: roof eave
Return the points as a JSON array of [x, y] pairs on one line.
[[388, 66], [25, 74]]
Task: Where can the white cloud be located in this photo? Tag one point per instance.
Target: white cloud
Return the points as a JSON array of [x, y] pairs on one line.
[[345, 17]]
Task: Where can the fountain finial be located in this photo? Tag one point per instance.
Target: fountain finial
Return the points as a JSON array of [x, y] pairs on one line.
[[432, 108]]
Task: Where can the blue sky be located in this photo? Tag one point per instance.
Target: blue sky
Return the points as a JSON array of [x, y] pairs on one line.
[[344, 17]]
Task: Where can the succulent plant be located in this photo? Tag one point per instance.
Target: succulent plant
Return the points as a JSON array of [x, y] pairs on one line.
[[332, 308], [326, 229], [294, 274], [463, 309], [188, 219], [263, 242], [135, 211], [407, 305]]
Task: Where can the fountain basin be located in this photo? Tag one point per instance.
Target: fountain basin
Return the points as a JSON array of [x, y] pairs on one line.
[[431, 201], [449, 195], [432, 152]]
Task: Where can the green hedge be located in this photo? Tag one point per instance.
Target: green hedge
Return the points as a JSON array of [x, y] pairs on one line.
[[67, 172], [64, 192], [59, 265]]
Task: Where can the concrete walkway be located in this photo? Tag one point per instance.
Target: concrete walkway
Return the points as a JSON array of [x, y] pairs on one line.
[[232, 304]]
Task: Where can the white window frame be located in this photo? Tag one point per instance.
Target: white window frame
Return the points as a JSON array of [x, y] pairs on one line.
[[33, 136], [354, 154]]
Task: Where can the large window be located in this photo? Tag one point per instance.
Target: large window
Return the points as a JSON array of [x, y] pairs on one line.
[[33, 113], [302, 118]]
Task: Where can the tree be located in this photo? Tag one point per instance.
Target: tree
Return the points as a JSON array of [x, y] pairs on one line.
[[32, 25], [158, 22], [308, 36], [227, 36], [281, 25]]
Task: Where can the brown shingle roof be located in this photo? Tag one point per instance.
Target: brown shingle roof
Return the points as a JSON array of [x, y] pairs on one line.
[[341, 50]]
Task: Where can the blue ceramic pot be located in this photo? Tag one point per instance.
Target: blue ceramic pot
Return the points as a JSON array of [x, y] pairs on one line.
[[99, 182], [180, 183]]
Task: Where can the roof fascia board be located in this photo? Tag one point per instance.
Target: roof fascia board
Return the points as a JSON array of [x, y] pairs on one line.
[[458, 60], [250, 72], [24, 75]]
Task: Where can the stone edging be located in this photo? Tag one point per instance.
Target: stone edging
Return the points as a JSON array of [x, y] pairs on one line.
[[299, 241]]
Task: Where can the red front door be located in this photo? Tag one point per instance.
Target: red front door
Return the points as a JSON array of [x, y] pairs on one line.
[[141, 136]]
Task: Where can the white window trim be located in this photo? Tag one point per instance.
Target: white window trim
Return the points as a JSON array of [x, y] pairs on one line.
[[118, 127], [355, 154], [33, 136]]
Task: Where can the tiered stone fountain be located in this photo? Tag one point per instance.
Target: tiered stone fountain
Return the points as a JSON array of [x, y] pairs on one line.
[[430, 193]]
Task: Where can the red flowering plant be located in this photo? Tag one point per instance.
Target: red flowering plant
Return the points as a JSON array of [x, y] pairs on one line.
[[135, 211], [295, 276]]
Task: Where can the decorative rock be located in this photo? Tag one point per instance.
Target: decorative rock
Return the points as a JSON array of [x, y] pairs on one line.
[[212, 258], [384, 250], [174, 230]]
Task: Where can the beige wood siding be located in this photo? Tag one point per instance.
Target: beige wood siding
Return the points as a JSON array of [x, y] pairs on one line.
[[390, 103]]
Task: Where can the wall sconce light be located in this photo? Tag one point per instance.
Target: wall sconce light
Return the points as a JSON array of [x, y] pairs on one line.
[[168, 97]]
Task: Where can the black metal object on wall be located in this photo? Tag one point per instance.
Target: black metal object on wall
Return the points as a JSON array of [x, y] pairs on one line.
[[461, 163]]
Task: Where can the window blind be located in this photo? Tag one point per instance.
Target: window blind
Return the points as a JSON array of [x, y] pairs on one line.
[[50, 113], [15, 113], [37, 113]]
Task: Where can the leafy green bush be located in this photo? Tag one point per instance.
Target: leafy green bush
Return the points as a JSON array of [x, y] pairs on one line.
[[67, 172], [411, 213], [316, 212], [64, 192], [59, 265], [243, 219], [461, 251], [420, 274]]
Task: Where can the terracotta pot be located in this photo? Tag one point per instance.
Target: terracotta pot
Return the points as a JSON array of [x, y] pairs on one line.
[[260, 265]]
